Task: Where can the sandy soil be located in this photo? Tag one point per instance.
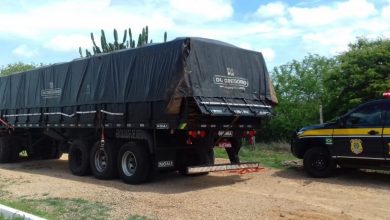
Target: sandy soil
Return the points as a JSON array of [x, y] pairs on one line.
[[268, 194]]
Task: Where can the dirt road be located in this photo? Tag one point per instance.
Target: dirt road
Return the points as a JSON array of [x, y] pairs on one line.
[[268, 194]]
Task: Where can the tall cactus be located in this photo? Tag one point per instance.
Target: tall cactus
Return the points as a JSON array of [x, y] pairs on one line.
[[103, 42], [116, 44], [123, 45], [139, 40], [146, 34], [131, 43], [81, 52]]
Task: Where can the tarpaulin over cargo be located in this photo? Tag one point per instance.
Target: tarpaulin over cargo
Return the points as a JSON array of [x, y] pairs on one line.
[[183, 67]]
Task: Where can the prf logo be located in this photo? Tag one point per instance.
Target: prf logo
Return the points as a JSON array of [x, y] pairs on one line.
[[356, 146]]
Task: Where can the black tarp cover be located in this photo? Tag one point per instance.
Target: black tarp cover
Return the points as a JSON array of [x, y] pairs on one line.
[[161, 72]]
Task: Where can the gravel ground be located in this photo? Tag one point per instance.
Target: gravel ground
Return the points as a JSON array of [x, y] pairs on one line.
[[267, 194]]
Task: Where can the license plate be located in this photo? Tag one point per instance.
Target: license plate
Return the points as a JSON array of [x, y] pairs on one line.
[[224, 144], [225, 133]]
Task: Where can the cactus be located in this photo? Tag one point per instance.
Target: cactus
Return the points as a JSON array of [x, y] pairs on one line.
[[139, 40], [111, 47], [116, 44], [81, 52], [123, 45], [87, 53], [130, 39], [96, 49], [146, 34], [143, 39]]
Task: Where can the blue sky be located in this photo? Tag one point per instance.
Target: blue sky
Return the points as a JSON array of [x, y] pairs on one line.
[[50, 31]]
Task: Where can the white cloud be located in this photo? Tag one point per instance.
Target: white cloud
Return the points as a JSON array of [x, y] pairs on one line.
[[386, 12], [201, 10], [24, 51], [245, 45], [326, 15], [268, 53], [68, 42], [332, 41], [273, 9]]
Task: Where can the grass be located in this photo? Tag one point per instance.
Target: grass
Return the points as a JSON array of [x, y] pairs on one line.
[[2, 217], [268, 154], [57, 208], [138, 217]]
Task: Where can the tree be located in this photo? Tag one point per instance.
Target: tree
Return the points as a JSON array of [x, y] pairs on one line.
[[143, 39], [363, 73], [16, 67], [300, 89]]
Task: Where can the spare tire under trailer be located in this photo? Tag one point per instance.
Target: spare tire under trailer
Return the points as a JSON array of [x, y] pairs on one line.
[[78, 158]]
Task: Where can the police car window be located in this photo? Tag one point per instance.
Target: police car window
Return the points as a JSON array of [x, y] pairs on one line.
[[387, 121], [367, 116]]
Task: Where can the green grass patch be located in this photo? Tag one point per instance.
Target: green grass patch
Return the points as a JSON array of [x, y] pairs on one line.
[[138, 217], [2, 217], [58, 208], [268, 154]]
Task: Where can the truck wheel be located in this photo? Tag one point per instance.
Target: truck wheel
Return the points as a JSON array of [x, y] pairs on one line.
[[103, 160], [134, 163], [79, 158], [318, 163], [8, 150]]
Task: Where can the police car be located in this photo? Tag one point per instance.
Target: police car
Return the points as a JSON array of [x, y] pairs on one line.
[[359, 139]]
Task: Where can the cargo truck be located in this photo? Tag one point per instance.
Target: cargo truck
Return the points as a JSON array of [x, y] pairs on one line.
[[137, 111]]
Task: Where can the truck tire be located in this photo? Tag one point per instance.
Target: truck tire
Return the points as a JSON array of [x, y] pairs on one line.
[[79, 158], [8, 150], [103, 162], [134, 163], [318, 163]]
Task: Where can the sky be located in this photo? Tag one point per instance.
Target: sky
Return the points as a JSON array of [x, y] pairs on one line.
[[51, 31]]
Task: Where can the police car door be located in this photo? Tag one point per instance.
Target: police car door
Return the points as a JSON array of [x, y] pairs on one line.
[[360, 134], [386, 132]]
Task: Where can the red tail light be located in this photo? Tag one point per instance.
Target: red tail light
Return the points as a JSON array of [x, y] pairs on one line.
[[252, 133], [197, 134], [386, 95], [192, 134]]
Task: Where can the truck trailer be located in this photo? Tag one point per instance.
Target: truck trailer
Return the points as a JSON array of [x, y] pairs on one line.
[[133, 112]]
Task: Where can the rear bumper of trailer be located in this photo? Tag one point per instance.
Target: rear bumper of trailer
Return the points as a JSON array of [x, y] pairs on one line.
[[220, 167]]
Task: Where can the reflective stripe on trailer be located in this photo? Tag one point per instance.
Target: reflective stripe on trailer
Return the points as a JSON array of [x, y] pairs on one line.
[[220, 167]]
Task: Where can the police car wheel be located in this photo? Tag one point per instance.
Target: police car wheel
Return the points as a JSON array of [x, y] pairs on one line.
[[318, 163]]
